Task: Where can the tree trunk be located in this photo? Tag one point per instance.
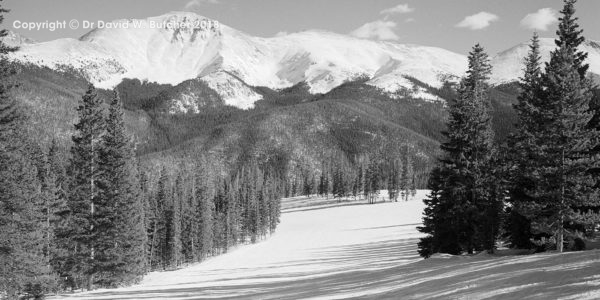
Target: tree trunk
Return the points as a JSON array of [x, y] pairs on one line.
[[560, 234]]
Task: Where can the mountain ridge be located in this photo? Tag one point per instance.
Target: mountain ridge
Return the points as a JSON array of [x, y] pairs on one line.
[[232, 62]]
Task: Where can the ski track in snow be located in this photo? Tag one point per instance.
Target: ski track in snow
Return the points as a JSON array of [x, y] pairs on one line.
[[364, 251]]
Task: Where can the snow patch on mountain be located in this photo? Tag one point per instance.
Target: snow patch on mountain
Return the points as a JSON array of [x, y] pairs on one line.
[[233, 91], [402, 87], [508, 65]]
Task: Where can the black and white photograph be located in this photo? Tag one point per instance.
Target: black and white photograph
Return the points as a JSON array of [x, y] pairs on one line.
[[287, 149]]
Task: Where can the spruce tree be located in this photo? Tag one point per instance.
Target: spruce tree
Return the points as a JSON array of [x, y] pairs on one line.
[[85, 172], [173, 226], [565, 187], [121, 236], [22, 234], [524, 152], [462, 198], [159, 250], [404, 180], [205, 211]]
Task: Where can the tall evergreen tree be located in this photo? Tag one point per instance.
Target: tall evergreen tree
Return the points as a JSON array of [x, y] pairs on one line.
[[524, 150], [206, 213], [22, 219], [121, 232], [565, 188], [85, 171], [464, 190], [159, 249], [173, 225]]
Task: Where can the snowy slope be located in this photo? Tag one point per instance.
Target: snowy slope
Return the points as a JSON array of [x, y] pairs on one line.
[[137, 49], [365, 251], [508, 65]]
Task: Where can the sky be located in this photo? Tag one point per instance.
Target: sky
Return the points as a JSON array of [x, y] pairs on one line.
[[455, 25]]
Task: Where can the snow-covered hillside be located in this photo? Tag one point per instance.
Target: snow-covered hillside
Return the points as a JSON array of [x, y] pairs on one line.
[[364, 251], [228, 58], [508, 65]]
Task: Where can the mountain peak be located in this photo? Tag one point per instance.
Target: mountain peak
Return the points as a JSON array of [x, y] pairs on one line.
[[13, 39], [184, 26]]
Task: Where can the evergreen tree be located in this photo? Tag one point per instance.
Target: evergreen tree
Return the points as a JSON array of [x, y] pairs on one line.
[[84, 172], [173, 226], [404, 180], [21, 205], [307, 185], [463, 197], [565, 188], [321, 189], [159, 238], [121, 232], [206, 212], [524, 150], [393, 184], [440, 237]]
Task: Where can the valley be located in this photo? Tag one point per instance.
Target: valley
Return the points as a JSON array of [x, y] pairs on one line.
[[356, 250]]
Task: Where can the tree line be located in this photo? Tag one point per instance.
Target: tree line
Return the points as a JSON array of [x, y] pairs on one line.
[[95, 217], [540, 189], [364, 178]]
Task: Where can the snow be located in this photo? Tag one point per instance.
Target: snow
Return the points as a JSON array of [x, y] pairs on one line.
[[322, 59], [233, 91], [135, 49], [332, 250], [508, 65]]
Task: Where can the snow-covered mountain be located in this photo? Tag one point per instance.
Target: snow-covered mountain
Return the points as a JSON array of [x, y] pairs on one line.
[[232, 62], [13, 39], [508, 64]]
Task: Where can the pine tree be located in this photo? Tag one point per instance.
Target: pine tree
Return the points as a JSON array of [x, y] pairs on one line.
[[121, 229], [206, 212], [437, 223], [565, 188], [394, 180], [84, 172], [173, 225], [570, 36], [338, 183], [404, 180], [159, 249], [524, 150], [147, 203], [321, 189], [22, 234], [463, 197], [307, 185]]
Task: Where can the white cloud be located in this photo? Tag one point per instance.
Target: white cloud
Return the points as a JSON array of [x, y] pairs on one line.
[[398, 9], [541, 19], [478, 21], [196, 3], [378, 30]]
